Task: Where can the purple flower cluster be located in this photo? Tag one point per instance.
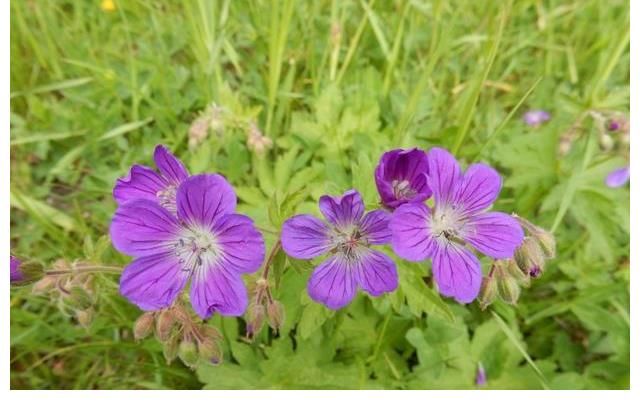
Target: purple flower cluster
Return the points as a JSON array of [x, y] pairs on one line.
[[180, 228], [447, 232]]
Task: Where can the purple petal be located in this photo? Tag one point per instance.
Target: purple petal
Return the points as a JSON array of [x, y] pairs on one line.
[[342, 210], [143, 227], [495, 234], [618, 177], [534, 118], [376, 273], [375, 227], [457, 272], [215, 289], [444, 174], [305, 237], [241, 243], [153, 282], [15, 274], [332, 283], [478, 188], [141, 183], [401, 177], [170, 167], [411, 238], [202, 199]]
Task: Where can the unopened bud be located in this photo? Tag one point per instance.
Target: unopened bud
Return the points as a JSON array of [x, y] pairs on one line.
[[275, 314], [143, 326], [79, 299], [512, 269], [211, 332], [210, 351], [508, 289], [31, 270], [44, 285], [198, 130], [606, 142], [85, 317], [530, 257], [488, 291], [164, 325], [547, 242], [170, 349], [188, 353], [255, 319]]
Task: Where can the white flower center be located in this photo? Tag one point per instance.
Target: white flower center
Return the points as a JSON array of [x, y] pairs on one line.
[[349, 241], [446, 223], [402, 189], [197, 247]]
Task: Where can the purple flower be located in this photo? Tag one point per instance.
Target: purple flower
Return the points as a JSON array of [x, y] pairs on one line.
[[535, 118], [459, 217], [205, 241], [401, 177], [143, 182], [618, 177], [16, 274], [346, 237], [481, 376]]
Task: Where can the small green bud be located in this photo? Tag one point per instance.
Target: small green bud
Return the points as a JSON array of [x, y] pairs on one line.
[[530, 257], [210, 351], [165, 324], [488, 291], [170, 349], [31, 270], [188, 353], [547, 242], [512, 269], [79, 298], [85, 317], [143, 326], [275, 314], [508, 289], [606, 142]]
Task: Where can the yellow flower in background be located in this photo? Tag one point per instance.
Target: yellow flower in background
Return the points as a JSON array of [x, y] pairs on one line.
[[108, 5]]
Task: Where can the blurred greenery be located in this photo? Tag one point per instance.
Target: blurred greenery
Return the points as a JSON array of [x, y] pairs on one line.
[[95, 85]]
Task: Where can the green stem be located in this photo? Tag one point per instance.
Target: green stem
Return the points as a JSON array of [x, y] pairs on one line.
[[85, 269]]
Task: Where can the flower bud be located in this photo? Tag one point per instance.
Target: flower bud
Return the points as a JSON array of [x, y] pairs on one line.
[[85, 317], [210, 351], [79, 298], [31, 270], [255, 319], [488, 291], [515, 272], [170, 349], [508, 289], [275, 314], [606, 142], [44, 285], [530, 257], [211, 332], [188, 353], [164, 325], [143, 326], [198, 130], [547, 242]]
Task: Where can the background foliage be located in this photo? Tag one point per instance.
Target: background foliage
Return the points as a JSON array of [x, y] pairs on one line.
[[333, 84]]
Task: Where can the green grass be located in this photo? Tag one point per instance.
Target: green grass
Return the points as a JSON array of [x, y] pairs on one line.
[[334, 84]]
